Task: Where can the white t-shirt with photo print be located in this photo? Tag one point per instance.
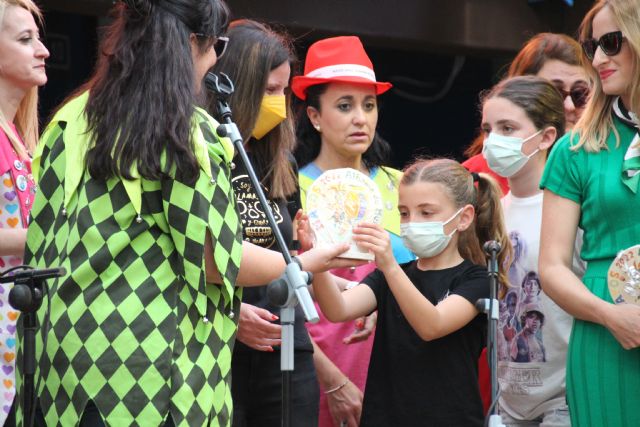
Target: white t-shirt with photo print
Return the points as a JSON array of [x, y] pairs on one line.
[[533, 332]]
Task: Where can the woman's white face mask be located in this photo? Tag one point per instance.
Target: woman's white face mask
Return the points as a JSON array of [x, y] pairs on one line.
[[504, 153]]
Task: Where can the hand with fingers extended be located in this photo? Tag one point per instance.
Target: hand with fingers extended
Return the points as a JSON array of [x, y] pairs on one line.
[[324, 258], [364, 329], [374, 238], [303, 231], [256, 328], [345, 405]]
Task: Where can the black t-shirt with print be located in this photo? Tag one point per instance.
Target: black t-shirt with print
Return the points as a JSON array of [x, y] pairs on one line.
[[256, 229], [412, 382]]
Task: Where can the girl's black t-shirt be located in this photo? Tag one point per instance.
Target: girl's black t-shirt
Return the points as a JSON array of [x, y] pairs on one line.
[[412, 382]]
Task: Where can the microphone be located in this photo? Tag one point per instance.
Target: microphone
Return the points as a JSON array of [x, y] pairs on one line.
[[27, 293], [482, 305], [25, 275], [491, 247], [221, 85]]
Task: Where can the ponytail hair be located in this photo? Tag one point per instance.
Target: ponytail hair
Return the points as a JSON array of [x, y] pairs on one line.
[[488, 223]]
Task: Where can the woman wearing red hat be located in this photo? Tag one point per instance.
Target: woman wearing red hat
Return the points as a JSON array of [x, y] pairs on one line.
[[338, 130]]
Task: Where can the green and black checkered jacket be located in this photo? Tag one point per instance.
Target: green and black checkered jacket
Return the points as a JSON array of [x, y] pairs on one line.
[[134, 326]]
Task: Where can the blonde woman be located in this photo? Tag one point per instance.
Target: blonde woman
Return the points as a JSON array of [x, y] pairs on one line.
[[22, 70], [591, 181]]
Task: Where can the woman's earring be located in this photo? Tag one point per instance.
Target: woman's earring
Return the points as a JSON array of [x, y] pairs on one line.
[[317, 126]]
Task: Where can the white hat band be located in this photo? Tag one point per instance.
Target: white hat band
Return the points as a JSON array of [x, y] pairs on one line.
[[343, 70]]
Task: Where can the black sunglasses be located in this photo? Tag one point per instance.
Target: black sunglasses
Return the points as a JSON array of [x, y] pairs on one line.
[[579, 95], [610, 43], [219, 43]]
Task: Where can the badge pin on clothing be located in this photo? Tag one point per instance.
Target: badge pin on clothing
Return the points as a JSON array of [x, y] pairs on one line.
[[17, 164], [21, 182]]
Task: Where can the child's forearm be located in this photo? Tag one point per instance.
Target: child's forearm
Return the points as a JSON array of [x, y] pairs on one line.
[[326, 292]]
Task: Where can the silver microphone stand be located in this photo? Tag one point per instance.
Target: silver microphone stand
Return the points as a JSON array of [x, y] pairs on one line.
[[291, 288], [490, 308]]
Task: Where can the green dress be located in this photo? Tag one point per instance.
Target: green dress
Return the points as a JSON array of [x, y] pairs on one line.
[[134, 326], [603, 379]]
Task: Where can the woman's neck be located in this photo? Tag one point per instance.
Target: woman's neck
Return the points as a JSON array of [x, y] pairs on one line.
[[329, 159], [626, 101], [11, 97], [526, 183]]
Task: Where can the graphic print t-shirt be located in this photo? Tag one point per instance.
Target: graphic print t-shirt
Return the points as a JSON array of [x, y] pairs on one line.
[[256, 230], [533, 332]]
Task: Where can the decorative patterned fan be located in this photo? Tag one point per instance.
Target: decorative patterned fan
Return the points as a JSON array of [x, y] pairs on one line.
[[339, 200], [624, 276]]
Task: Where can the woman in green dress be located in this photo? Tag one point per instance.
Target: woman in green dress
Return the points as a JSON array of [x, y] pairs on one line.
[[591, 182]]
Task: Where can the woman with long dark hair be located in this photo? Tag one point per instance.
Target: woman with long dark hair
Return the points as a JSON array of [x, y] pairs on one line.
[[259, 62], [136, 203], [337, 129]]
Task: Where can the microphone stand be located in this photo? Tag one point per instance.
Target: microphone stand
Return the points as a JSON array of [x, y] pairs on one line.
[[291, 288], [491, 308], [26, 296]]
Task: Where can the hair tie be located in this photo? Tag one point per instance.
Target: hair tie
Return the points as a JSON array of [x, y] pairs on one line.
[[475, 176]]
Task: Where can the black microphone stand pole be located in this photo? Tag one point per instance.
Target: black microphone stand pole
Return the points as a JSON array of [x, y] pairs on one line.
[[491, 308], [291, 288], [26, 296]]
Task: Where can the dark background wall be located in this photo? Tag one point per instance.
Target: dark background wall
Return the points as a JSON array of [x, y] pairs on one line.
[[438, 54], [72, 41]]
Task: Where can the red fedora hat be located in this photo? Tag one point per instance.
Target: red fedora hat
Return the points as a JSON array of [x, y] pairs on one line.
[[337, 59]]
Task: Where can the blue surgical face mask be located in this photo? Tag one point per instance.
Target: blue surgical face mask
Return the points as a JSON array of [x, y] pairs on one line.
[[427, 239], [504, 153]]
